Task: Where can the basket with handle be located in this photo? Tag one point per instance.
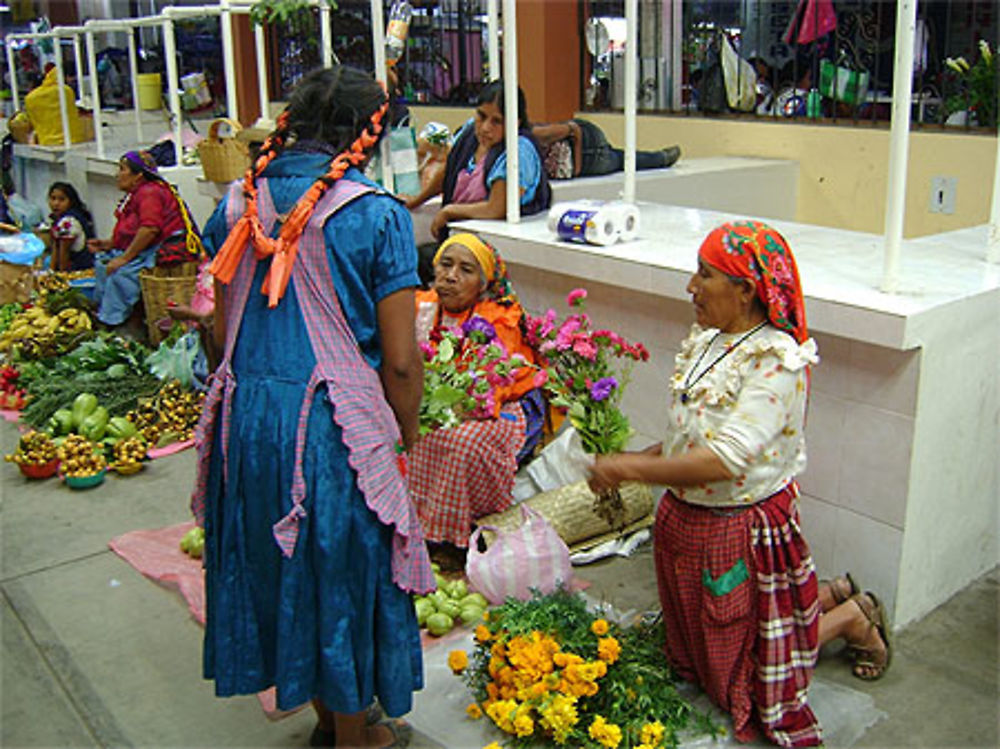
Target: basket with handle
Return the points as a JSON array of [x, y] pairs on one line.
[[223, 159], [160, 285]]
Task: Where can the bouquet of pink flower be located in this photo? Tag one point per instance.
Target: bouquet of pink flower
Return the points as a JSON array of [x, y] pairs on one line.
[[462, 369], [587, 371]]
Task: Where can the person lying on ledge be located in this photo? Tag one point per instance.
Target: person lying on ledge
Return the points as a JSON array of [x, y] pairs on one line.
[[461, 473], [579, 148]]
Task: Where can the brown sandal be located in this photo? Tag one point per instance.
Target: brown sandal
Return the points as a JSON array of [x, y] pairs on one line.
[[875, 661], [837, 586]]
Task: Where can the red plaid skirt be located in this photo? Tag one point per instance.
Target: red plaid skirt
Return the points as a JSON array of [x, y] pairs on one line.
[[739, 596], [457, 475]]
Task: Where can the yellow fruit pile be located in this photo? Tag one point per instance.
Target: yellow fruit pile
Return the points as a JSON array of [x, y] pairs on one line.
[[129, 454], [169, 416], [33, 449], [36, 327], [81, 457]]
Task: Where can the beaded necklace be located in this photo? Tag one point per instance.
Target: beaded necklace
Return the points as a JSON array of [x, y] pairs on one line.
[[689, 383]]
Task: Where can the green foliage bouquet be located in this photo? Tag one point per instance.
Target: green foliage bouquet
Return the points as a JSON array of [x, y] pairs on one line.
[[978, 85], [549, 672], [462, 369]]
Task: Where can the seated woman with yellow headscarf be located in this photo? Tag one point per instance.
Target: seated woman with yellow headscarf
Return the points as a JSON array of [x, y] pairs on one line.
[[461, 473]]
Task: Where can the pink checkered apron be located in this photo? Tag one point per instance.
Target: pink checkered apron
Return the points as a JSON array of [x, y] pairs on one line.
[[369, 427], [739, 596], [459, 474]]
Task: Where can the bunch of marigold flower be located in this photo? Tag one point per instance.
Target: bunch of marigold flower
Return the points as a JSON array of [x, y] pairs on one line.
[[549, 671]]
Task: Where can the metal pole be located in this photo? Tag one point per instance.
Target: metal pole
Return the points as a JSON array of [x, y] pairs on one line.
[[260, 47], [228, 61], [993, 240], [133, 66], [170, 52], [631, 94], [61, 87], [899, 138], [325, 37], [79, 65], [676, 54], [493, 38], [13, 72], [510, 111], [95, 94], [378, 53]]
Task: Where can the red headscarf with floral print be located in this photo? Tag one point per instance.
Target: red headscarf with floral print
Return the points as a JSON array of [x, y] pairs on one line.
[[754, 250]]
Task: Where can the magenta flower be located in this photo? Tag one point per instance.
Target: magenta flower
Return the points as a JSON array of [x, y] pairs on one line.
[[575, 297], [540, 378], [585, 348]]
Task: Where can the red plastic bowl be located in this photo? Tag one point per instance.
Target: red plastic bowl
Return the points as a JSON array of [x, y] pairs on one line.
[[39, 470]]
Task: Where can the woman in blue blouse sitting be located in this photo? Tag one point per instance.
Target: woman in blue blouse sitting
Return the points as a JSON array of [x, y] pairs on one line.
[[474, 182]]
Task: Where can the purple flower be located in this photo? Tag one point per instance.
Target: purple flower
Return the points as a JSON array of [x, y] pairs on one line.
[[479, 329], [602, 388]]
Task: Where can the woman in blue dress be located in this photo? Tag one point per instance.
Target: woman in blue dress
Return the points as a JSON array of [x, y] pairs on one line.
[[312, 546]]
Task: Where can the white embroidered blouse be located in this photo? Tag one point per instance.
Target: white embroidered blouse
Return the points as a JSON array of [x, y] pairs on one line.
[[747, 406]]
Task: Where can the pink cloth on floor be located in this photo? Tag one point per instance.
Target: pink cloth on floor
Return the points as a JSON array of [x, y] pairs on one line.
[[158, 556]]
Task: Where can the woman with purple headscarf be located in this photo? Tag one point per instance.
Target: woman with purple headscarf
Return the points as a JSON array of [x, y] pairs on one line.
[[152, 227]]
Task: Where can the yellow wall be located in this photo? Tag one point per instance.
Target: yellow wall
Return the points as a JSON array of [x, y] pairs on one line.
[[843, 170]]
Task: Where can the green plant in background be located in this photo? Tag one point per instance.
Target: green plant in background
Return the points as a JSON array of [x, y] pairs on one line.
[[977, 86], [280, 11]]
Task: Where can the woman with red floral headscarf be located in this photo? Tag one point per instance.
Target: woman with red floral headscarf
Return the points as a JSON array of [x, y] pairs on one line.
[[743, 613]]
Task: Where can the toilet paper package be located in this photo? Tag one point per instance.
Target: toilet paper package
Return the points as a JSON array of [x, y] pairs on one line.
[[594, 221]]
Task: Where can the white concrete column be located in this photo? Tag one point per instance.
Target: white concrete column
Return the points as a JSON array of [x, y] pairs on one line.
[[13, 71], [173, 84], [61, 86], [228, 61], [79, 64], [260, 48], [631, 94], [133, 66], [325, 36], [993, 240], [95, 93], [899, 140], [510, 111], [378, 54], [493, 38]]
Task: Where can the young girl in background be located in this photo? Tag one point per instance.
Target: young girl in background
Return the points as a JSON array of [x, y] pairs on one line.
[[71, 227]]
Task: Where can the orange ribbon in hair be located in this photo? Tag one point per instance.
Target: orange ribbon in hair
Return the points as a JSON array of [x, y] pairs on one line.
[[283, 249]]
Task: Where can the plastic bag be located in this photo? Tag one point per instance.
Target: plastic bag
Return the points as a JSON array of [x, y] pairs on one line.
[[740, 78], [532, 557], [562, 462], [20, 249], [176, 362]]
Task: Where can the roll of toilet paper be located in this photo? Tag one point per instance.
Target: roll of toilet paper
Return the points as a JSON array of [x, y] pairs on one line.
[[597, 225], [628, 221]]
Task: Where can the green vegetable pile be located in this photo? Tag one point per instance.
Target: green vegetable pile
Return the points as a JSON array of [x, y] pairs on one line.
[[450, 604]]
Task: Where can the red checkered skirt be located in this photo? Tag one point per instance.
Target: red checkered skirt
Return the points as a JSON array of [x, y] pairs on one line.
[[739, 596], [459, 474]]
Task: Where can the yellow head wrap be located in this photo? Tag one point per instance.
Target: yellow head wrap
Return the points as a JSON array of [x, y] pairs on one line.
[[483, 254]]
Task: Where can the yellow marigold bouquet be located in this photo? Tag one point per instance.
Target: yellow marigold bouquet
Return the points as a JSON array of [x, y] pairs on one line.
[[549, 672]]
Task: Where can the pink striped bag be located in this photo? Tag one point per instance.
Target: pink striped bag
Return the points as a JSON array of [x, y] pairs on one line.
[[532, 557]]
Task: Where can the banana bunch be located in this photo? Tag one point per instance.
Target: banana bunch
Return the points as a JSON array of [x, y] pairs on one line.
[[129, 454], [33, 449], [81, 457], [35, 328]]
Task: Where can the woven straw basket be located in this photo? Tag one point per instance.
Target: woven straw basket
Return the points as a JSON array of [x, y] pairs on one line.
[[571, 511], [173, 283], [223, 159]]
